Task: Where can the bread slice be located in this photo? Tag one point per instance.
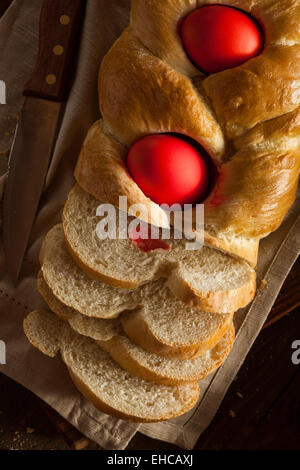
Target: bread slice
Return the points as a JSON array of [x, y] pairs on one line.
[[165, 325], [101, 380], [139, 362], [206, 278]]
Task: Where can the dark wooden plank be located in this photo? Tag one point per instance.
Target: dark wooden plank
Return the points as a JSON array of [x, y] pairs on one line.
[[72, 436], [283, 418], [4, 4], [23, 423], [265, 376], [289, 296]]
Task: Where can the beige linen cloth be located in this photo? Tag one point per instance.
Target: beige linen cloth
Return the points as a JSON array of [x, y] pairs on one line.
[[46, 377]]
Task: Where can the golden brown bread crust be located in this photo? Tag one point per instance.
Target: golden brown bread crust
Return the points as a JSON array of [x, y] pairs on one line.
[[258, 185], [111, 281], [62, 311], [267, 86], [223, 300], [257, 91], [91, 397], [147, 85], [101, 172], [246, 248], [152, 22], [141, 334], [139, 94], [120, 354]]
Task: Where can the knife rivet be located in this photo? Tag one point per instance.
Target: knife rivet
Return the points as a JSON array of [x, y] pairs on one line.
[[51, 79], [58, 50], [64, 19]]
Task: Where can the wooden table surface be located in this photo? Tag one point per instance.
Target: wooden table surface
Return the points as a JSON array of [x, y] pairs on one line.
[[260, 411], [4, 4]]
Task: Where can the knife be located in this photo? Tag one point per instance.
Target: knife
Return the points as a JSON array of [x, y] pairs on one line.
[[45, 92]]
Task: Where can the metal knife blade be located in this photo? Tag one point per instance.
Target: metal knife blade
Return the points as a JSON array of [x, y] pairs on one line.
[[28, 164], [35, 135]]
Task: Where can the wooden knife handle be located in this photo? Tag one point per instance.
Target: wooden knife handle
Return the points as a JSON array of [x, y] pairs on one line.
[[60, 25]]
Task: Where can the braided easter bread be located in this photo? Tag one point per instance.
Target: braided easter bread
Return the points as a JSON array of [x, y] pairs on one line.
[[247, 118]]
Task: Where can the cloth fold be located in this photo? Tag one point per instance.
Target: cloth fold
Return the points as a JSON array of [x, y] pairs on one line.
[[46, 377]]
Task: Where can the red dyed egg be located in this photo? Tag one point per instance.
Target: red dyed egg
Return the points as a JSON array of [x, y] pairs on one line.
[[168, 169], [218, 37]]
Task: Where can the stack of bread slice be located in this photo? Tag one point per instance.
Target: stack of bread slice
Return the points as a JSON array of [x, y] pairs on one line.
[[137, 329]]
